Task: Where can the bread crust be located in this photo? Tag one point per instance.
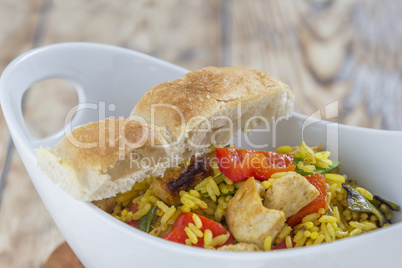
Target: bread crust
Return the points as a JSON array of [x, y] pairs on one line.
[[204, 93], [94, 162], [101, 144]]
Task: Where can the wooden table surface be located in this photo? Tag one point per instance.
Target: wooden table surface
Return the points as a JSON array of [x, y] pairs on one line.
[[343, 52]]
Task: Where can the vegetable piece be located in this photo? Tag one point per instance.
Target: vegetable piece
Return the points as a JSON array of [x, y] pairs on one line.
[[357, 202], [146, 220], [311, 160], [134, 209], [318, 181], [378, 200], [179, 235], [182, 178], [240, 164], [229, 193], [222, 194], [282, 245], [335, 164], [232, 163]]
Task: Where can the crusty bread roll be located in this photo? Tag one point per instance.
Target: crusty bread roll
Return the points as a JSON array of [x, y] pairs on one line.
[[184, 117], [208, 106], [100, 159]]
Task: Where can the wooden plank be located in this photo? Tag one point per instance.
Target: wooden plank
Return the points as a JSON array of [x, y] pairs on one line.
[[47, 104], [346, 51], [16, 31], [27, 233], [186, 33], [63, 256], [139, 26]]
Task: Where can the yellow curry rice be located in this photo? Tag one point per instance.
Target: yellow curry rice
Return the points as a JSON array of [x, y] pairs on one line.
[[210, 198]]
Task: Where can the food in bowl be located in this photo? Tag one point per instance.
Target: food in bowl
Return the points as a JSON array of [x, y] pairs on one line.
[[310, 205], [155, 170]]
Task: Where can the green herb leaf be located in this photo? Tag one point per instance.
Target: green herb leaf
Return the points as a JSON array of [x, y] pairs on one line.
[[297, 159], [335, 164], [222, 194], [229, 193], [378, 200], [146, 220], [376, 203], [218, 178], [357, 202]]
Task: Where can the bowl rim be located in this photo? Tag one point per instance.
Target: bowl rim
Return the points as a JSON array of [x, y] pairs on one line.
[[162, 243]]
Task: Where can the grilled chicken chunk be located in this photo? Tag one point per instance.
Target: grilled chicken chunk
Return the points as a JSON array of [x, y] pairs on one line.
[[106, 204], [290, 193], [240, 247], [181, 178], [248, 220]]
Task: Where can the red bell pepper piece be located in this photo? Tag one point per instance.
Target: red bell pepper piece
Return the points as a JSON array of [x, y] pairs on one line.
[[318, 180], [241, 164], [282, 245], [177, 234], [134, 209]]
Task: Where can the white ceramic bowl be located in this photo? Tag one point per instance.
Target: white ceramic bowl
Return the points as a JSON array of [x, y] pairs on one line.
[[119, 76]]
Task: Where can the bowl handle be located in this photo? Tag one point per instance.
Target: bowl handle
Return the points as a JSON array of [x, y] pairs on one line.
[[93, 69], [24, 71]]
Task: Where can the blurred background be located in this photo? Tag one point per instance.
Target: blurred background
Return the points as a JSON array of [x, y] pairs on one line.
[[345, 51]]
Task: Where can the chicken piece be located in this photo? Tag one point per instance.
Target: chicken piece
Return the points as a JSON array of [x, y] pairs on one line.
[[248, 220], [260, 188], [240, 247], [290, 193], [161, 188], [181, 178], [106, 204]]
